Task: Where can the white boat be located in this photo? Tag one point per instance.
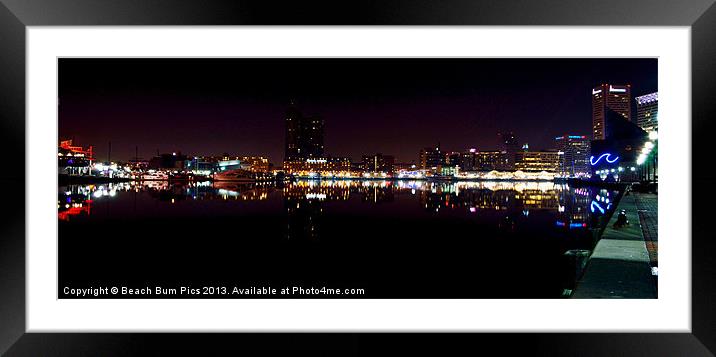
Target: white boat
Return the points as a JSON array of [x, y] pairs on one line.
[[237, 175], [154, 175]]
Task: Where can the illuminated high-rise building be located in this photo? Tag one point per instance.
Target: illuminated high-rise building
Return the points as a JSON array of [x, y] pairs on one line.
[[575, 151], [493, 160], [536, 161], [509, 142], [511, 147], [647, 108], [304, 135], [431, 157], [607, 97], [256, 163]]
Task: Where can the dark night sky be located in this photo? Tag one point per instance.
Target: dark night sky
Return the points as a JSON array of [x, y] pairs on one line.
[[394, 106]]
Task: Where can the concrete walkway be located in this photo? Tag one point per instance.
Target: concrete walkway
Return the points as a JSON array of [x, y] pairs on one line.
[[619, 266], [647, 203]]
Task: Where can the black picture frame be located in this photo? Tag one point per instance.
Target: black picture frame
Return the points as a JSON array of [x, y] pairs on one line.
[[16, 15]]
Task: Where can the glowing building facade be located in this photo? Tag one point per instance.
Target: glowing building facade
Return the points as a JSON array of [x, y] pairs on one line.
[[431, 158], [647, 108], [575, 150], [319, 167], [256, 163], [535, 161], [609, 97]]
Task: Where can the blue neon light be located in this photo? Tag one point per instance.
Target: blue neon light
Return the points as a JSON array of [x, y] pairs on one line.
[[595, 203], [606, 156]]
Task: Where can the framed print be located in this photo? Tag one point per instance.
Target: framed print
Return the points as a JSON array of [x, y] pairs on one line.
[[495, 173]]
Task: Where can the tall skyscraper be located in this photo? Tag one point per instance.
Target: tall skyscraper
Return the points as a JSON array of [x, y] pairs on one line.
[[304, 135], [647, 108], [431, 157], [609, 97], [511, 147], [575, 150], [509, 142]]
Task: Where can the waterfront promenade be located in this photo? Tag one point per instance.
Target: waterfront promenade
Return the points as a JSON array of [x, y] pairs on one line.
[[646, 203], [621, 264]]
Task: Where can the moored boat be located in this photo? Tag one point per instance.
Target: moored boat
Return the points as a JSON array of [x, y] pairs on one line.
[[154, 175], [237, 175]]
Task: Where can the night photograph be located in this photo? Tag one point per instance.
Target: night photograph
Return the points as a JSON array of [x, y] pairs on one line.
[[357, 178]]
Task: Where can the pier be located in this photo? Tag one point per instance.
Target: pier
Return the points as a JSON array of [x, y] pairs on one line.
[[621, 264]]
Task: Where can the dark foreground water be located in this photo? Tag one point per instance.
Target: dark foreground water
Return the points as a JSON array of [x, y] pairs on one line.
[[384, 239]]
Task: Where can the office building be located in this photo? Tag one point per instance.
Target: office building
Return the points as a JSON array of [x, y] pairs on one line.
[[431, 157], [454, 159], [536, 161], [256, 163], [378, 163], [304, 136], [492, 160], [319, 166], [575, 151], [467, 160], [607, 97], [647, 107], [510, 146]]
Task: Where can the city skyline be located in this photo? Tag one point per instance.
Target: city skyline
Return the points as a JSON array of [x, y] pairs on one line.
[[390, 106]]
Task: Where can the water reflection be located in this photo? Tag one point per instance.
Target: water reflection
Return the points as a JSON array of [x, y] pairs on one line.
[[443, 231], [575, 207], [75, 201]]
